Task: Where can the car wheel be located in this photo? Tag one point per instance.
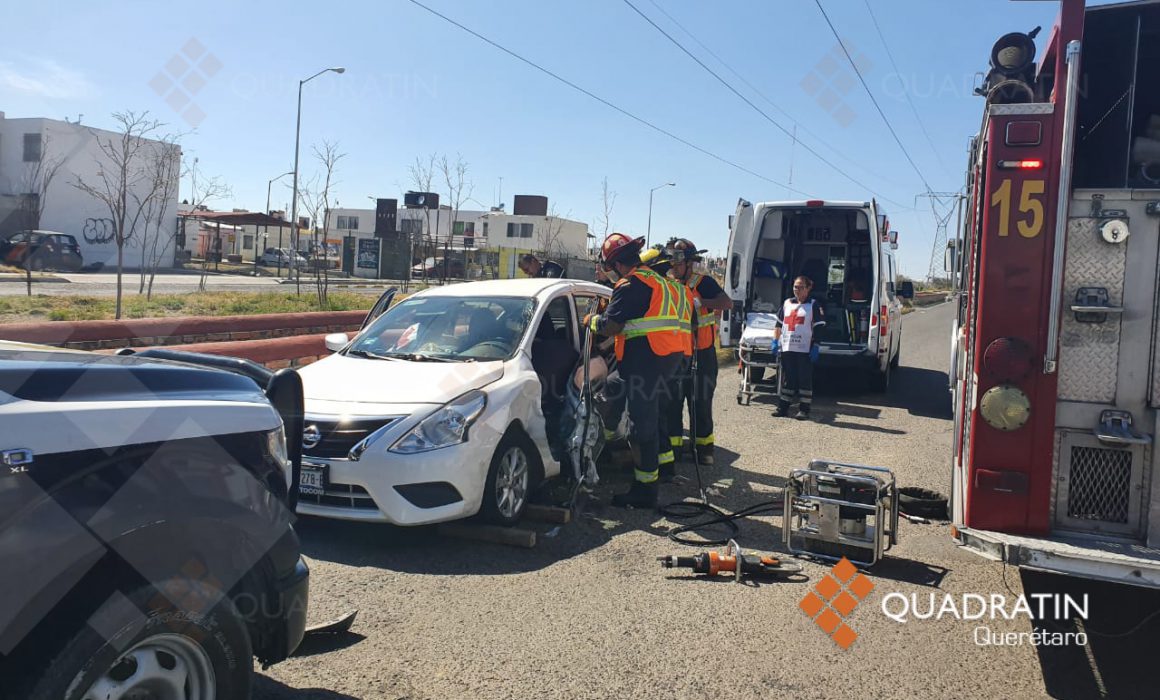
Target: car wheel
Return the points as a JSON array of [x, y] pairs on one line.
[[897, 359], [509, 481], [149, 647]]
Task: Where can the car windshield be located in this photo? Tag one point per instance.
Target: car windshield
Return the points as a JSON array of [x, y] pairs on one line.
[[432, 328]]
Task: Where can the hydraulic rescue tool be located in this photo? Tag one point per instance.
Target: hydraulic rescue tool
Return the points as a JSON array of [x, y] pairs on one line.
[[732, 561]]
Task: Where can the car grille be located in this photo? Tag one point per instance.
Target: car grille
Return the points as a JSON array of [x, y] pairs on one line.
[[341, 496], [337, 437]]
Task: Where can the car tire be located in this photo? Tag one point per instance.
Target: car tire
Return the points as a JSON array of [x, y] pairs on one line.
[[897, 359], [923, 503], [144, 639], [509, 480]]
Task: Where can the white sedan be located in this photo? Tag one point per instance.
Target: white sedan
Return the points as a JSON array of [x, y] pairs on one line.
[[434, 411]]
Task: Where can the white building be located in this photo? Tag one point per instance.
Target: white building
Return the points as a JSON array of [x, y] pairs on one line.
[[492, 230], [28, 143]]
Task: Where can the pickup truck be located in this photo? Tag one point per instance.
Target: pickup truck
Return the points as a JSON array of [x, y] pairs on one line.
[[145, 524]]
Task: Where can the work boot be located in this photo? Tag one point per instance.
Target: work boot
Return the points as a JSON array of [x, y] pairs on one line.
[[668, 473], [782, 410], [639, 495], [705, 455], [803, 413]]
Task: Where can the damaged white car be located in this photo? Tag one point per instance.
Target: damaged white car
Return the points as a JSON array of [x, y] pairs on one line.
[[435, 411]]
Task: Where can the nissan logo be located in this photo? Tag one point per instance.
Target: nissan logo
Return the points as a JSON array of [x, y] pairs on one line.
[[311, 436]]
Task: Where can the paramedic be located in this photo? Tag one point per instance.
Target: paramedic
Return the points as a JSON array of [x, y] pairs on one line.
[[644, 318], [708, 299], [531, 266], [658, 261], [795, 332]]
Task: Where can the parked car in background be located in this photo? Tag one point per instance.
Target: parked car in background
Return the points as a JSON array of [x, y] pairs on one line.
[[433, 267], [282, 257], [146, 525], [42, 250], [435, 411]]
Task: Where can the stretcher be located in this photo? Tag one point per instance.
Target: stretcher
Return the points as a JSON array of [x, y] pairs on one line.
[[756, 355]]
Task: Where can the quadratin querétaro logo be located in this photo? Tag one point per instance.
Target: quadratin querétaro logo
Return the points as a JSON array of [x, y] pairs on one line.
[[834, 598], [1060, 608]]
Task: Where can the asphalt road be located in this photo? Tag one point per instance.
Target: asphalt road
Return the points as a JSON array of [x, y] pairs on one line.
[[589, 614]]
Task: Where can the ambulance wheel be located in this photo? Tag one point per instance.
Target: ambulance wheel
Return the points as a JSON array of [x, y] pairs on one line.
[[739, 402], [880, 381], [897, 359]]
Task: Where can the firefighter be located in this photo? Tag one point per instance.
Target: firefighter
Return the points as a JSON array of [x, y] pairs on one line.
[[796, 335], [644, 317], [708, 299], [658, 260]]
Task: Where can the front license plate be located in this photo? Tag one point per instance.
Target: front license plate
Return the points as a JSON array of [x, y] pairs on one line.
[[313, 480]]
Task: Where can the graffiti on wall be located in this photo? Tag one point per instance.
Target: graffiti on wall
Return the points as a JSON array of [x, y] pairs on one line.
[[98, 231]]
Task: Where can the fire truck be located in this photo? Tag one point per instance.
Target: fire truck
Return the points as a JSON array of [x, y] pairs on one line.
[[1055, 359]]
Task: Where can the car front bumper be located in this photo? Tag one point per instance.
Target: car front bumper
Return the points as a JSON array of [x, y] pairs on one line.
[[401, 489]]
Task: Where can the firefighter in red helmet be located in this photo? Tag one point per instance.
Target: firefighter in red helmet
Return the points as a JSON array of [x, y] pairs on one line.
[[708, 300], [644, 317]]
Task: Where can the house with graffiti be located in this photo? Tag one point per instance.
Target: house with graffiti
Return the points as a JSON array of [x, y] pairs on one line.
[[65, 176]]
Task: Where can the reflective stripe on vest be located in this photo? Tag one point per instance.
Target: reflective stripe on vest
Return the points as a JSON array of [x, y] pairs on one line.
[[661, 324], [706, 319]]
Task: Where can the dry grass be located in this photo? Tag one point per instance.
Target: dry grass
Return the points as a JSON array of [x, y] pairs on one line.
[[22, 309]]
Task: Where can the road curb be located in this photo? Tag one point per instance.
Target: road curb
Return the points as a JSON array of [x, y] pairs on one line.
[[18, 278]]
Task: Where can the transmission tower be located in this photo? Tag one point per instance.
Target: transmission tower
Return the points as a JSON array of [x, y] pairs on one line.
[[943, 206]]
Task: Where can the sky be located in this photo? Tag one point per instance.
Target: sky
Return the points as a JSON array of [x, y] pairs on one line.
[[225, 75]]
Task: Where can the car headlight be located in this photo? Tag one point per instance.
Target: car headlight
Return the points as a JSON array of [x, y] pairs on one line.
[[445, 427], [276, 447]]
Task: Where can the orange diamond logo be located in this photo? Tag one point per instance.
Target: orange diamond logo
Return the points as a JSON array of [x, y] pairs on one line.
[[843, 590]]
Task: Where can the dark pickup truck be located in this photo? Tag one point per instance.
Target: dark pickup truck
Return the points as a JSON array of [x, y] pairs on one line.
[[146, 546]]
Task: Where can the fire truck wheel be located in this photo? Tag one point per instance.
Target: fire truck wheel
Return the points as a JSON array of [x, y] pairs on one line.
[[880, 381], [924, 503]]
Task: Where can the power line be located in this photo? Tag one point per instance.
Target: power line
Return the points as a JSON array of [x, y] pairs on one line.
[[905, 92], [873, 99], [750, 102], [605, 102], [797, 123]]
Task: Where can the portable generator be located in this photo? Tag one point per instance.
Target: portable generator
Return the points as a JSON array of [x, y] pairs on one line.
[[834, 510]]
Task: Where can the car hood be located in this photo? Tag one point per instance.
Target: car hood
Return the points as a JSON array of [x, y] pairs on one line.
[[340, 379]]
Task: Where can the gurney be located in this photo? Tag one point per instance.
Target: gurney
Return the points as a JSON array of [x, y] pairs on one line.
[[755, 352]]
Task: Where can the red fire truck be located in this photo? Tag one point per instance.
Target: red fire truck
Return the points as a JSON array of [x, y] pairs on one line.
[[1055, 369]]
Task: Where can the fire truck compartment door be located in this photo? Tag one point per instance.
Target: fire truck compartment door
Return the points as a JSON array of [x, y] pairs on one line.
[[1102, 560], [1089, 352]]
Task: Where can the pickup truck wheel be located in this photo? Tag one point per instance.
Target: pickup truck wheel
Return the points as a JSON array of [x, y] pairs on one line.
[[148, 647], [509, 481]]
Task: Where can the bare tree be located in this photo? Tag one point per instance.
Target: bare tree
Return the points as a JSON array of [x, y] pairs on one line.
[[552, 239], [423, 179], [202, 191], [35, 184], [315, 199], [123, 169], [607, 201], [459, 189], [160, 228]]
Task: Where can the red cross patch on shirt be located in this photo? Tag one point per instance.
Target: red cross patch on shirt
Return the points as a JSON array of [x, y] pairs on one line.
[[796, 317]]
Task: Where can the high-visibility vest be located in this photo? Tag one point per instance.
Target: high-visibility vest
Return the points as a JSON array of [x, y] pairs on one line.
[[706, 320], [661, 324], [686, 310]]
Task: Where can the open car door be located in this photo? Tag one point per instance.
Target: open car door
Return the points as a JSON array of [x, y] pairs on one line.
[[380, 306]]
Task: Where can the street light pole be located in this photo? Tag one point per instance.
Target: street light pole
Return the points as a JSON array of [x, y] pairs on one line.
[[297, 137], [648, 233], [266, 226]]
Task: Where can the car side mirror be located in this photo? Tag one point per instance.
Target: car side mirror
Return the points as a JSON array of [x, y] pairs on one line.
[[336, 341], [906, 290]]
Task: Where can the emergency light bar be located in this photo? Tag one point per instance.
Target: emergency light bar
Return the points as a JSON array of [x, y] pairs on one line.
[[1033, 164]]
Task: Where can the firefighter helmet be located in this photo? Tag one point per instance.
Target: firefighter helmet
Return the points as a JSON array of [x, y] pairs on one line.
[[617, 244], [657, 259], [683, 250]]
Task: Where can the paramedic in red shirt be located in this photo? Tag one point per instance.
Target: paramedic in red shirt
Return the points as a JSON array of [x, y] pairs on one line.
[[795, 333]]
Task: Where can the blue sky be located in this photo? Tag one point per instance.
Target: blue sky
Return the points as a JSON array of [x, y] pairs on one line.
[[416, 85]]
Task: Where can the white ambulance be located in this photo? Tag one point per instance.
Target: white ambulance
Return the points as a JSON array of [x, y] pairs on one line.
[[847, 250]]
